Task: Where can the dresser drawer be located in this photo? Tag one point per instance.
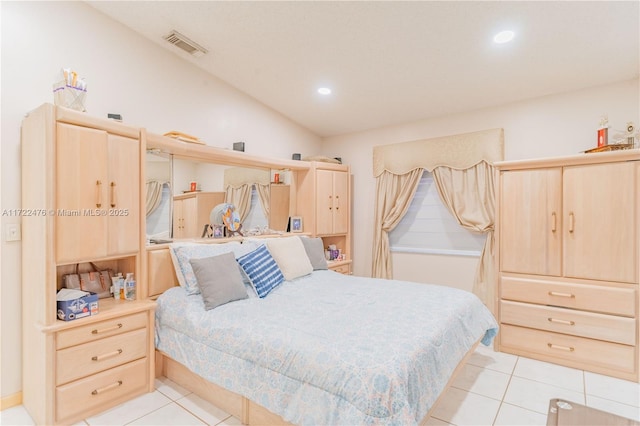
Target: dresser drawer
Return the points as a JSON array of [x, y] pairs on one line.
[[96, 393], [343, 269], [98, 330], [607, 355], [83, 360], [569, 321], [604, 299]]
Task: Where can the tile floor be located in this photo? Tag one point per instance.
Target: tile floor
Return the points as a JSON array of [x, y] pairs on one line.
[[493, 389]]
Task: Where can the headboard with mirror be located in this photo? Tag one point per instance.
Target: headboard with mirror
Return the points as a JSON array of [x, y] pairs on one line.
[[244, 180]]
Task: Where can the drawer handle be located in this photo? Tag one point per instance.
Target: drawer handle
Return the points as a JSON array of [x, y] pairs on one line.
[[109, 355], [561, 321], [563, 348], [104, 330], [553, 218], [556, 293], [107, 388]]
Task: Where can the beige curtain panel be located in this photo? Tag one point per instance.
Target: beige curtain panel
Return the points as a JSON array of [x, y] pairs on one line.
[[264, 195], [462, 169], [393, 197], [240, 197], [154, 195], [470, 196]]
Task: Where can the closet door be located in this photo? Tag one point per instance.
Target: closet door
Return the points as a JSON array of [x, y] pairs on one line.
[[81, 196], [340, 202], [600, 222], [324, 202], [531, 221], [123, 195]]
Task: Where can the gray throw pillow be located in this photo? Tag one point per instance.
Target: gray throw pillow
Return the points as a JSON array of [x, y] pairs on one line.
[[315, 252], [219, 280]]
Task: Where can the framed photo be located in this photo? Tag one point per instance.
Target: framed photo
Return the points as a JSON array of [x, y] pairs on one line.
[[218, 231], [296, 224]]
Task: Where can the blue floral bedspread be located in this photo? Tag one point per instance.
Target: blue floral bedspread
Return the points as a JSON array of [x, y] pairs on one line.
[[329, 349]]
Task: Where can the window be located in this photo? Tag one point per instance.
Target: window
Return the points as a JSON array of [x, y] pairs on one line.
[[429, 227]]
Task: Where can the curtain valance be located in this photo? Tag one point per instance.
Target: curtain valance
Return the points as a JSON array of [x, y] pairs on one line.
[[238, 176], [457, 152]]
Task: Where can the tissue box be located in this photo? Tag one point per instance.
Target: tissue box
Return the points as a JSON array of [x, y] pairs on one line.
[[84, 306]]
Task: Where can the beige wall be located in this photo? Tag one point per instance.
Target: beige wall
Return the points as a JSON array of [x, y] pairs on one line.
[[548, 126], [126, 74]]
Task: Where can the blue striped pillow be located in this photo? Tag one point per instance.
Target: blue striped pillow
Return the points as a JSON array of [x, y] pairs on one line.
[[262, 270]]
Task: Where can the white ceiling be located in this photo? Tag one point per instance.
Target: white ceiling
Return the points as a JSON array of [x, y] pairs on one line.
[[390, 62]]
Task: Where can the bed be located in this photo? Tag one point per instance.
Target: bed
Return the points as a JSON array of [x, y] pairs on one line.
[[321, 348]]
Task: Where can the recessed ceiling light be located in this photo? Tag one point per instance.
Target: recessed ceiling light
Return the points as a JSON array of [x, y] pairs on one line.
[[503, 37], [324, 91]]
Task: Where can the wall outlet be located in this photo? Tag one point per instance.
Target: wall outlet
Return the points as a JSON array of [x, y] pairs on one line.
[[12, 232]]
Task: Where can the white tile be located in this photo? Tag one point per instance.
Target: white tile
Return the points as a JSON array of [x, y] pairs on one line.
[[17, 415], [461, 408], [231, 421], [170, 389], [606, 387], [435, 422], [552, 374], [130, 410], [204, 410], [482, 381], [624, 410], [535, 396], [510, 415], [488, 358], [171, 414]]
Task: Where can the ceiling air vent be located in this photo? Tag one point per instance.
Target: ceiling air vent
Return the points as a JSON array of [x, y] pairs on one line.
[[184, 43]]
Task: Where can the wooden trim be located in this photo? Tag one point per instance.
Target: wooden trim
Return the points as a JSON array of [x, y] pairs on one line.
[[573, 160], [207, 153], [70, 116], [11, 401]]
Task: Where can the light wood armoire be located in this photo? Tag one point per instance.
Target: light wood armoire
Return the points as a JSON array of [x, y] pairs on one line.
[[81, 186], [567, 258], [324, 202]]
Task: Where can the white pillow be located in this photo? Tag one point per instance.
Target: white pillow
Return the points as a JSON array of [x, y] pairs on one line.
[[291, 257]]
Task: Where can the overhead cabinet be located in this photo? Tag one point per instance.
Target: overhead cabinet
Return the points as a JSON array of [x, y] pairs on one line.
[[567, 234], [332, 207], [97, 193]]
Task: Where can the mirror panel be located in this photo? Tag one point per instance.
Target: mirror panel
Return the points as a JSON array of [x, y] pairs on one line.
[[188, 211], [158, 169]]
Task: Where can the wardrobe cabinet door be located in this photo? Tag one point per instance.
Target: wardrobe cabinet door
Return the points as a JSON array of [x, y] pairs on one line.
[[324, 202], [81, 193], [123, 200], [531, 221], [340, 202], [600, 222]]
